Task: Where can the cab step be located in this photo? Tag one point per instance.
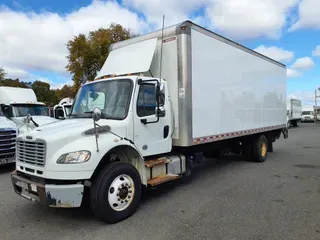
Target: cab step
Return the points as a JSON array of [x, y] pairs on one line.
[[162, 179], [156, 162]]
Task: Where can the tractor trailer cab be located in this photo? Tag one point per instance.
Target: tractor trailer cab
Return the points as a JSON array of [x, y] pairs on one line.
[[141, 123], [20, 105]]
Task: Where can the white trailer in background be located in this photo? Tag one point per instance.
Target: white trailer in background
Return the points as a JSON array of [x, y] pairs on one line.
[[21, 106], [8, 134], [149, 127], [294, 112]]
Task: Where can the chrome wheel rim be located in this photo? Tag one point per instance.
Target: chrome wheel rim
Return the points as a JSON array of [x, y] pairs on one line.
[[121, 192]]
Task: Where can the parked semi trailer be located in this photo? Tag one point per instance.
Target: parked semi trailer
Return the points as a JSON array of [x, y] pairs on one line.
[[141, 123], [294, 112], [8, 134]]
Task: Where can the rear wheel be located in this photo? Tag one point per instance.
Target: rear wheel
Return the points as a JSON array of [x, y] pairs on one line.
[[260, 149], [294, 123], [116, 192]]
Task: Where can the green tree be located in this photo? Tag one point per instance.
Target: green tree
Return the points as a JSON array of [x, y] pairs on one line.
[[2, 74], [44, 93], [87, 54], [8, 82], [64, 92]]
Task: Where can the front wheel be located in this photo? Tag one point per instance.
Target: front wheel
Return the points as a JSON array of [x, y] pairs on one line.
[[116, 192]]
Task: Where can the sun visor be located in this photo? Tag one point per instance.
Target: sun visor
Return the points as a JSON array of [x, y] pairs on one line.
[[134, 58]]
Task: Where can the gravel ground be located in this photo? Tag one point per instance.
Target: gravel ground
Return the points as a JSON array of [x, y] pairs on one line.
[[225, 199]]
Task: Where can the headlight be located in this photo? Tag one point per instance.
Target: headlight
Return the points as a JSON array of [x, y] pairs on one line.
[[74, 157]]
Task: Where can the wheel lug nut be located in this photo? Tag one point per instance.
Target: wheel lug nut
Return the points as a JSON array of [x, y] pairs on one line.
[[118, 199], [121, 201], [129, 196], [130, 191], [126, 200]]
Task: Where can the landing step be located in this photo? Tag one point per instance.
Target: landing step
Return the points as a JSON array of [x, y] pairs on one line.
[[159, 180], [156, 162]]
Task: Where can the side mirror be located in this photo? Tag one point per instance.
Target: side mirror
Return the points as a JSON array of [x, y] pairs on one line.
[[160, 112], [7, 110], [96, 114], [28, 119]]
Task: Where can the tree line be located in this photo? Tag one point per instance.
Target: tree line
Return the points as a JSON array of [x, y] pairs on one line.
[[86, 55]]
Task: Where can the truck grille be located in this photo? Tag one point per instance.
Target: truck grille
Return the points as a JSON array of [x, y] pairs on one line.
[[7, 143], [31, 152]]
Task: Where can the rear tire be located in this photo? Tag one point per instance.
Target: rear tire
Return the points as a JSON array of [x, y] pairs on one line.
[[294, 123], [116, 192], [260, 148]]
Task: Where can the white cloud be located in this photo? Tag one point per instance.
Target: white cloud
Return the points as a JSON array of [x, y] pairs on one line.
[[15, 73], [237, 18], [278, 54], [304, 63], [309, 16], [316, 51], [175, 11], [291, 73], [37, 41], [250, 18]]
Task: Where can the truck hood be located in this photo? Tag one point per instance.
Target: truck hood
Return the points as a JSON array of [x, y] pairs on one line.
[[6, 123], [70, 129], [40, 120]]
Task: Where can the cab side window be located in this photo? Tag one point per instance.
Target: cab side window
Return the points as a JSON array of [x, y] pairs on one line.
[[146, 104]]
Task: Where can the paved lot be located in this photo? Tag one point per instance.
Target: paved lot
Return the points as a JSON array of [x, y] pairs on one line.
[[229, 199]]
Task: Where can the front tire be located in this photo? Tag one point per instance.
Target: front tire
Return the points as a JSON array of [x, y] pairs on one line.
[[116, 192]]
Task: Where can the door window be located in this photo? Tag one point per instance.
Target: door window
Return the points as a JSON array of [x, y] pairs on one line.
[[147, 103]]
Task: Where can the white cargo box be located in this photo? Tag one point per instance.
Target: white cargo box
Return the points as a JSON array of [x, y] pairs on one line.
[[218, 88]]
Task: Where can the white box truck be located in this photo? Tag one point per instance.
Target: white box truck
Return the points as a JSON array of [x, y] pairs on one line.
[[8, 135], [307, 114], [21, 106], [294, 112], [151, 124]]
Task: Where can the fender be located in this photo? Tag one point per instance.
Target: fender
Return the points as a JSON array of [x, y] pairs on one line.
[[124, 152]]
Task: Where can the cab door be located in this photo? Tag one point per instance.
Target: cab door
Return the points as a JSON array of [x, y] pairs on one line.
[[152, 129]]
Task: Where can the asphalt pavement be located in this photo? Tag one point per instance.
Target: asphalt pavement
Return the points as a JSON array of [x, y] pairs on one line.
[[226, 199]]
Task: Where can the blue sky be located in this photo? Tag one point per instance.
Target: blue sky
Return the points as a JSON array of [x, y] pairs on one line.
[[34, 32]]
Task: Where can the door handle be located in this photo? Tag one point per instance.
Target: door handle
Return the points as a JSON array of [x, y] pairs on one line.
[[165, 131]]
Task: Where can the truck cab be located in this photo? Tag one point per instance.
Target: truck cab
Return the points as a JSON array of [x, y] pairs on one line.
[[8, 134], [307, 114], [20, 105], [62, 109]]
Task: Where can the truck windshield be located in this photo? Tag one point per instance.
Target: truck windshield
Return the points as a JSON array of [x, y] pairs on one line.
[[22, 110], [307, 113], [111, 96]]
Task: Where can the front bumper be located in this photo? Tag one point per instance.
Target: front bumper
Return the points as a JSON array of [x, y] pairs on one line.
[[58, 196]]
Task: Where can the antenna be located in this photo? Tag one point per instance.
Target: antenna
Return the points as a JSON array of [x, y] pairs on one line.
[[161, 46]]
